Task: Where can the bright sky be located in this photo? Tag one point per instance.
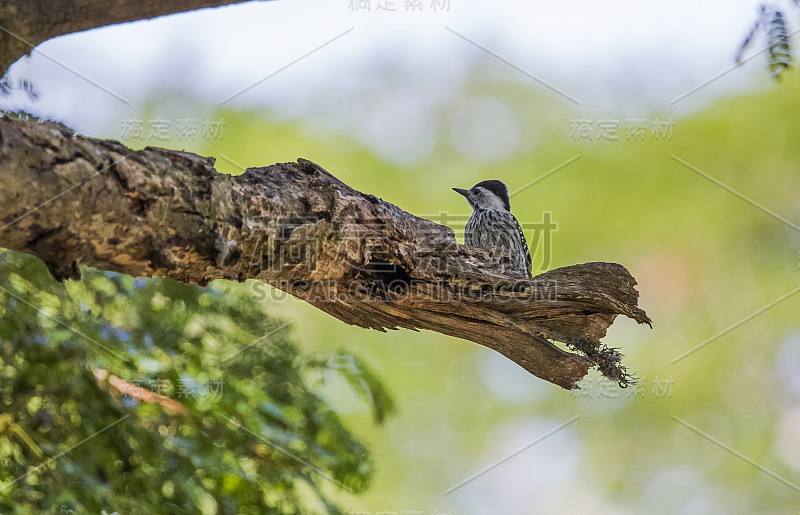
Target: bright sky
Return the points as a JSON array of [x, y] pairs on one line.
[[323, 57]]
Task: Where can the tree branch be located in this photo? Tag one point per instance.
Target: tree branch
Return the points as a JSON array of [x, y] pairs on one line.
[[71, 200], [24, 24]]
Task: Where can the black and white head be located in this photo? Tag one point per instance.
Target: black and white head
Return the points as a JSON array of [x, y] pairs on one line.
[[487, 195]]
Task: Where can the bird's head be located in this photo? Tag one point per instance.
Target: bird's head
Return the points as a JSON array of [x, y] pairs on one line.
[[488, 195]]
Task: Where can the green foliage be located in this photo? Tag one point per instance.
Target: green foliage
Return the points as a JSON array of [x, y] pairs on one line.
[[362, 379], [253, 437]]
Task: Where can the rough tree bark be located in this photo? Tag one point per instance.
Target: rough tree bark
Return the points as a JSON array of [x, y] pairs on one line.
[[26, 23], [72, 201]]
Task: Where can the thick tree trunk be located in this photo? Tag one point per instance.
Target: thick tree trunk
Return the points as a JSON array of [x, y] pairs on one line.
[[26, 23], [71, 200]]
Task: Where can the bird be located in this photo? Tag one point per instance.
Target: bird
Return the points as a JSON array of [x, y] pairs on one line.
[[492, 224]]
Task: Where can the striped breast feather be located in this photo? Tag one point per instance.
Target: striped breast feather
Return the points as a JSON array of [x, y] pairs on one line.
[[495, 228]]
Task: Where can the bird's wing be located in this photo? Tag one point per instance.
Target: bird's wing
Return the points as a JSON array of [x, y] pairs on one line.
[[509, 235], [525, 250]]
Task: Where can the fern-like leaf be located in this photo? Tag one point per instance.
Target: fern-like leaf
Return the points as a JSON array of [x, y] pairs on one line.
[[779, 57], [750, 35]]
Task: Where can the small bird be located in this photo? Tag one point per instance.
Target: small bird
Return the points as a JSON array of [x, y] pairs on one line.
[[493, 225]]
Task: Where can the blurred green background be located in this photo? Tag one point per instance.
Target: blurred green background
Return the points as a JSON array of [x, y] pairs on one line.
[[705, 260], [716, 431]]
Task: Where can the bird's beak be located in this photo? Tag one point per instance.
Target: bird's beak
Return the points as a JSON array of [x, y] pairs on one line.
[[462, 191]]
